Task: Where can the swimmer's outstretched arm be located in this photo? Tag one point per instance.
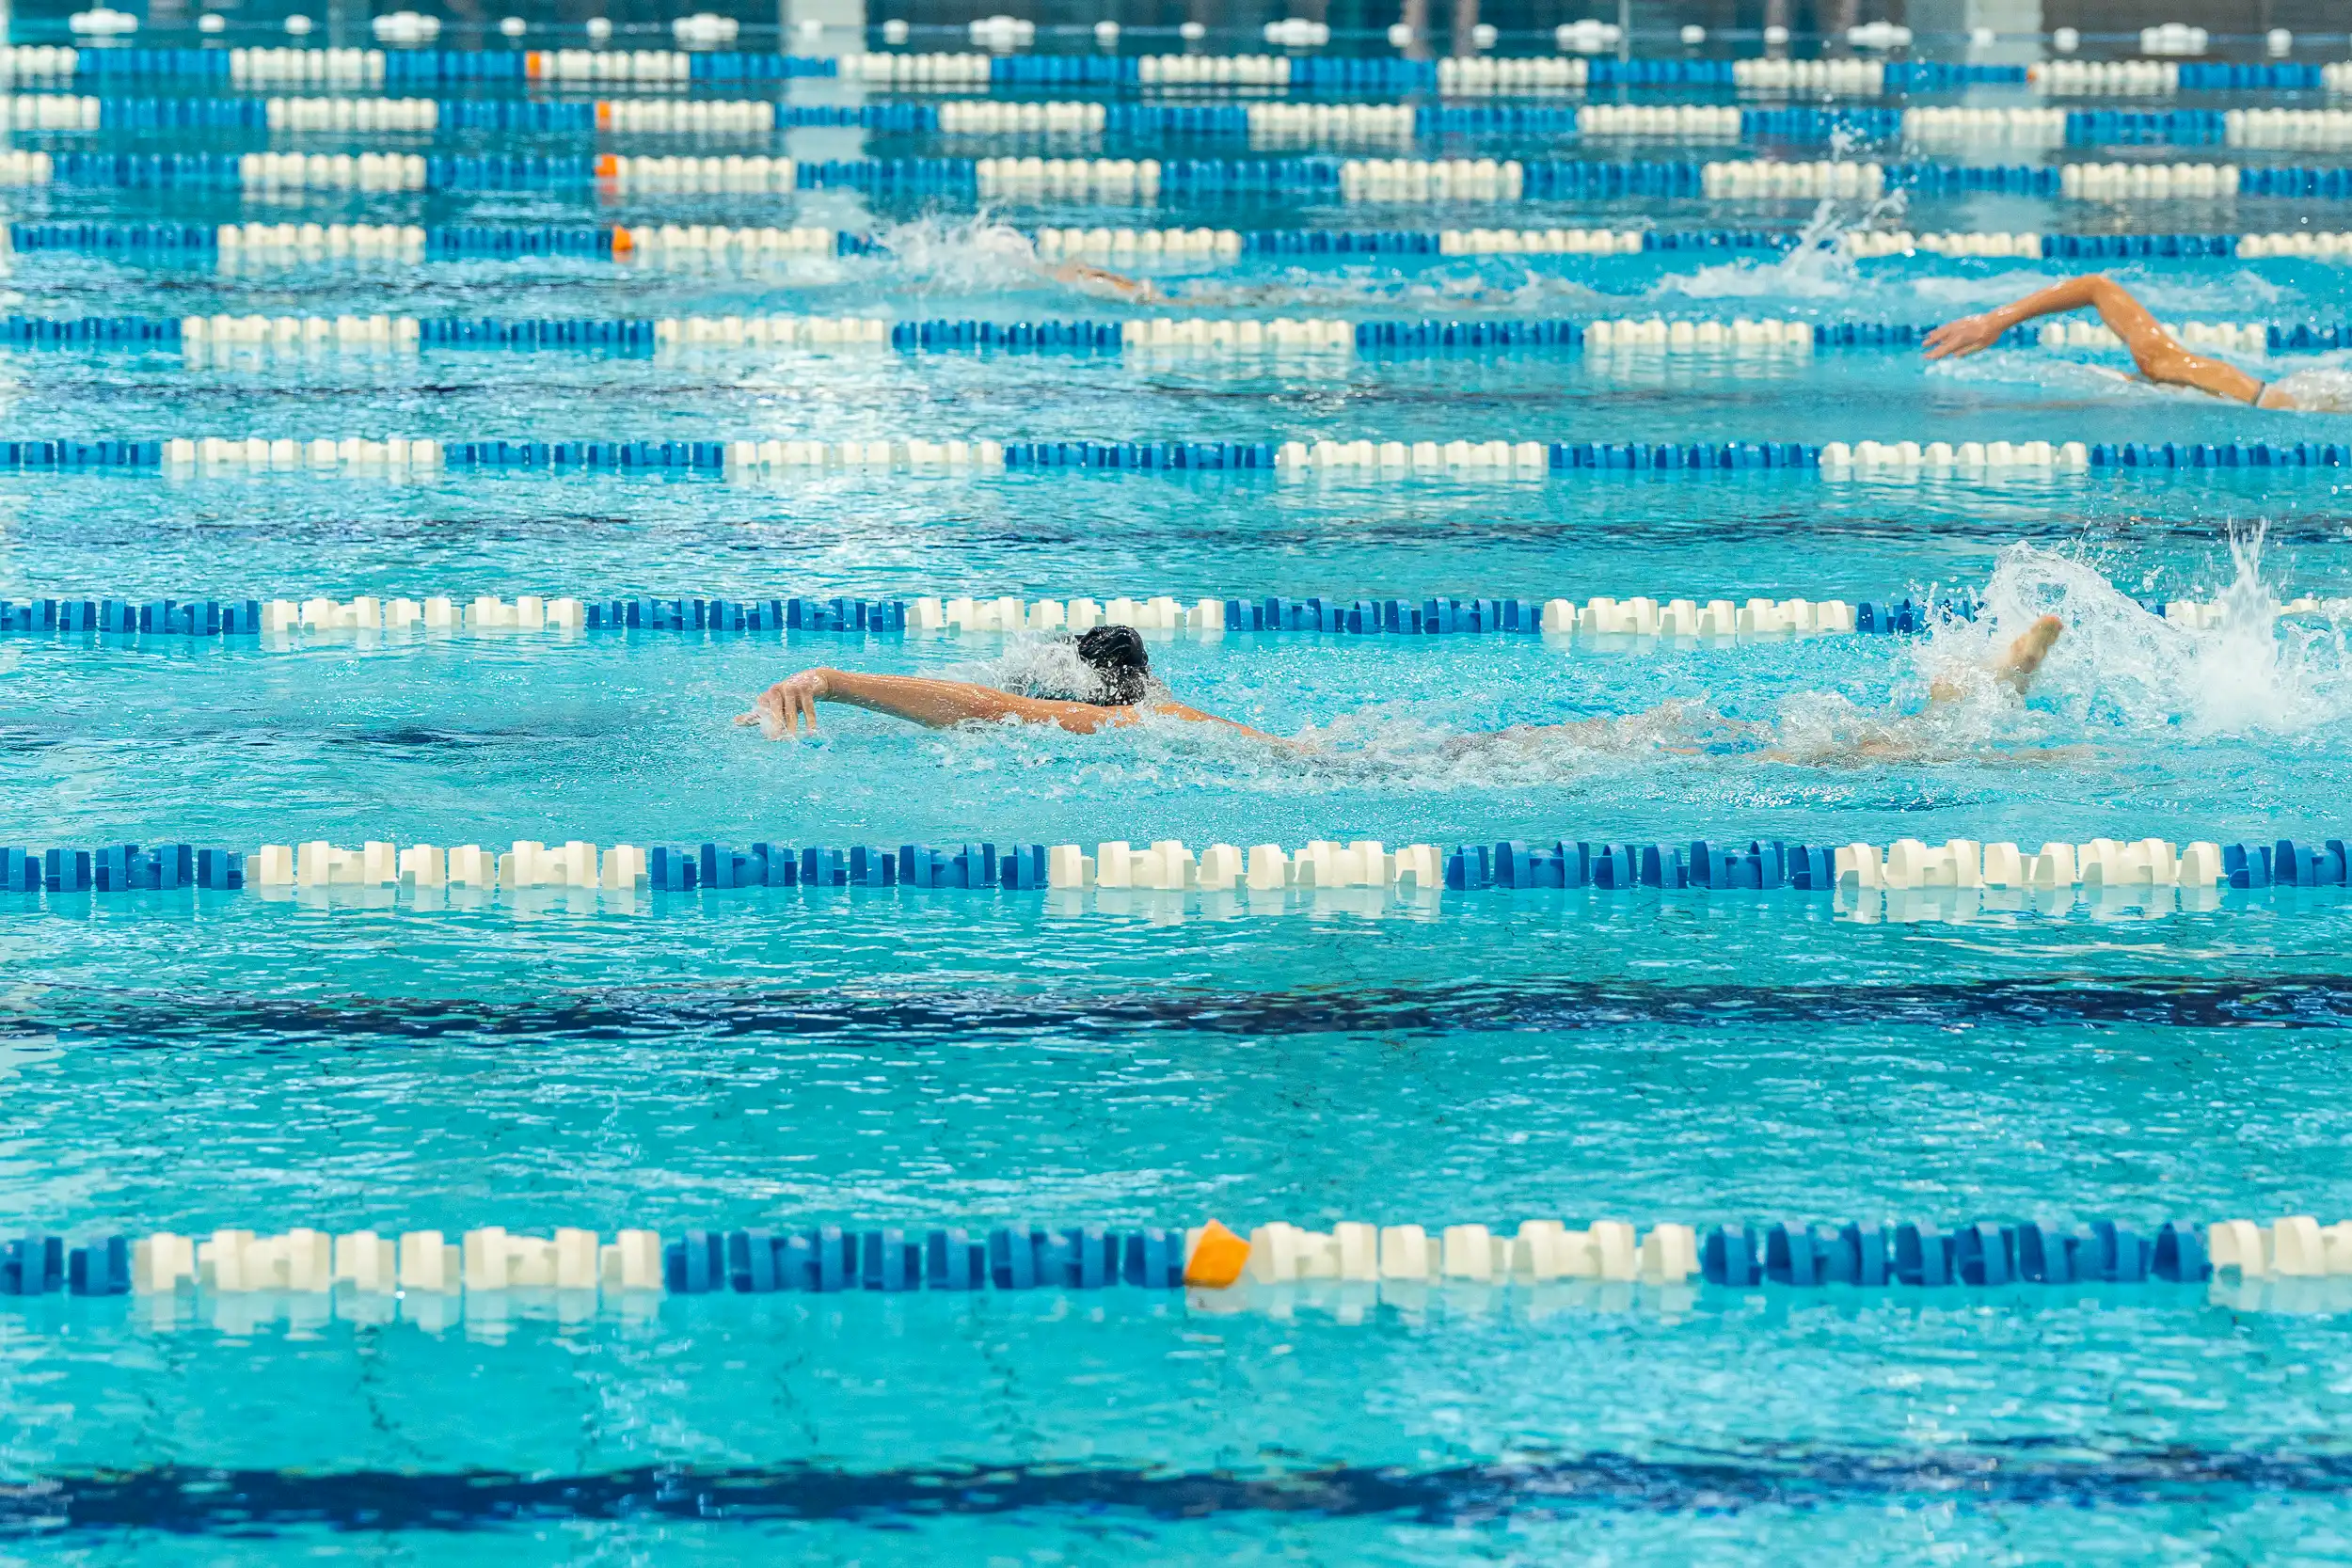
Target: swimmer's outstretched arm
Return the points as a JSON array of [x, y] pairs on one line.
[[2156, 352], [941, 704]]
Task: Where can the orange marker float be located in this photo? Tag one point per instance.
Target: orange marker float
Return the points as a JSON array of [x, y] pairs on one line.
[[604, 114], [623, 241], [1218, 1258]]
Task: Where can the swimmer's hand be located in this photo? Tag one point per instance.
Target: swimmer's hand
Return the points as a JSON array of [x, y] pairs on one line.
[[781, 708], [1966, 336]]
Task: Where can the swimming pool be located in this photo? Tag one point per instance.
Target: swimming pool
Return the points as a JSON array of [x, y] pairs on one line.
[[964, 1079]]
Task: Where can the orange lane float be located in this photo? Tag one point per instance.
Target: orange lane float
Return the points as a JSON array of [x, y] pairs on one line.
[[1218, 1258]]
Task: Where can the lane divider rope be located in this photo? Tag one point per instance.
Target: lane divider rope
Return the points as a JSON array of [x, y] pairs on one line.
[[704, 246], [427, 115], [1636, 617], [1907, 865], [348, 67], [381, 334], [1266, 125], [1388, 461], [828, 1259], [1401, 181], [1468, 75]]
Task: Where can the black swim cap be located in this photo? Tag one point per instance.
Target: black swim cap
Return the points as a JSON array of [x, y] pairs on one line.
[[1115, 656]]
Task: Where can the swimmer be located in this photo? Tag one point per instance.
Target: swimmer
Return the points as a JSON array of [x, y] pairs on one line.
[[2157, 353], [1121, 690]]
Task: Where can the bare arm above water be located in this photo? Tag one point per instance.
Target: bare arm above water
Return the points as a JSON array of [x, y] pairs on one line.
[[941, 704], [2156, 352]]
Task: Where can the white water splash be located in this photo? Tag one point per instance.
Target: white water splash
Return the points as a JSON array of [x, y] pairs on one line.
[[978, 254], [1818, 267], [2324, 388], [1047, 666], [2120, 665]]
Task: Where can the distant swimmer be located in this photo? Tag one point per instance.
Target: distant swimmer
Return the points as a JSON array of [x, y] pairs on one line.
[[1112, 685], [2159, 356]]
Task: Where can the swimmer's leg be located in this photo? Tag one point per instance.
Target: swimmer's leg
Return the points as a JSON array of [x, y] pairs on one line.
[[2017, 666], [2026, 654], [1101, 280]]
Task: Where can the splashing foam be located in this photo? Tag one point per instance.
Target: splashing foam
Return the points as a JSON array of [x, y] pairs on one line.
[[977, 253], [2121, 666], [1047, 666], [2321, 388], [982, 255], [1817, 268]]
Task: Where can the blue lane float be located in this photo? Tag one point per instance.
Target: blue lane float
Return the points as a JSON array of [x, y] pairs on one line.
[[2146, 128], [1938, 180], [473, 242], [2221, 454], [1988, 1253], [2200, 76], [611, 337]]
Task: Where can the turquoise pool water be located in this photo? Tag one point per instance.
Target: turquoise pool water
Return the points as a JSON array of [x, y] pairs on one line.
[[187, 1060]]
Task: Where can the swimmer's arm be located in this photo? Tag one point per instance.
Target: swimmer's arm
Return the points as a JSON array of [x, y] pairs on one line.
[[2156, 352], [941, 704], [917, 699], [1194, 716]]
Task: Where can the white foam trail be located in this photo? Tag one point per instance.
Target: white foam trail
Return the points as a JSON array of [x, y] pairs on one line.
[[2324, 388], [1518, 289]]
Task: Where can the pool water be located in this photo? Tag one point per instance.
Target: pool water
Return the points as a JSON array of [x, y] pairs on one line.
[[783, 1057]]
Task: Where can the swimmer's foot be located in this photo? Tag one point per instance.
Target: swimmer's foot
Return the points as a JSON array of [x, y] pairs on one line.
[[2016, 667], [2026, 654]]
